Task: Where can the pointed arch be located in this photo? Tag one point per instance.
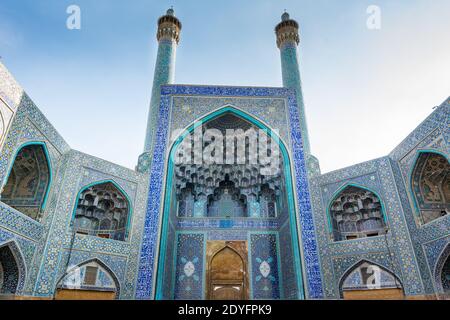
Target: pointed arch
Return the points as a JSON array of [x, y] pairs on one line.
[[14, 252], [226, 247], [287, 168], [128, 209], [395, 284], [228, 108], [340, 191], [31, 196], [442, 271], [235, 265], [428, 210], [101, 264]]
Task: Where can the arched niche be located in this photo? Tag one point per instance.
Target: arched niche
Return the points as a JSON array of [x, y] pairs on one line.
[[442, 272], [367, 281], [226, 273], [12, 269], [232, 186], [356, 212], [90, 280], [430, 183], [26, 188], [103, 210]]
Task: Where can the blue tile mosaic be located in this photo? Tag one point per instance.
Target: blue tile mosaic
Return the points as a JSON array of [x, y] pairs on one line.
[[157, 173], [265, 261], [36, 254]]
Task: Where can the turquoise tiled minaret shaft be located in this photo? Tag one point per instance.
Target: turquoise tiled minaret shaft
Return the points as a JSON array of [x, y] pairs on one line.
[[287, 41], [168, 36]]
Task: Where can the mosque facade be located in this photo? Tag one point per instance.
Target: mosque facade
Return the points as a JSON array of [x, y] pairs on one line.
[[227, 201]]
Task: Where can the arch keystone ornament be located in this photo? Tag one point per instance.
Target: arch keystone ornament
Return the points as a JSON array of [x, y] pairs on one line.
[[305, 252]]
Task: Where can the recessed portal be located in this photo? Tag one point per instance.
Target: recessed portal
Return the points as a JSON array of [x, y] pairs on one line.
[[220, 219], [227, 270]]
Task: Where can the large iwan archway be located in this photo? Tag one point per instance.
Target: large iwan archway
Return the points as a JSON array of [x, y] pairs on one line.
[[157, 276], [207, 202]]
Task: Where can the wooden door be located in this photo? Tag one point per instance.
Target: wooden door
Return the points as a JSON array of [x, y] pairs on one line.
[[375, 294], [220, 290], [66, 294], [227, 270]]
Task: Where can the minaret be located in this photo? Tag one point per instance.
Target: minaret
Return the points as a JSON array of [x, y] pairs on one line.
[[288, 40], [168, 36]]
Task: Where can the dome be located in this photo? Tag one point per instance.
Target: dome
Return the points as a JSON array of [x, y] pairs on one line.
[[285, 16], [170, 12]]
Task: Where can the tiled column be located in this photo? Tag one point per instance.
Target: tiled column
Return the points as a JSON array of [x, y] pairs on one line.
[[168, 35]]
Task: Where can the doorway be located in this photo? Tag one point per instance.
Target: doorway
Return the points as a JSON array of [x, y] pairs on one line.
[[226, 271]]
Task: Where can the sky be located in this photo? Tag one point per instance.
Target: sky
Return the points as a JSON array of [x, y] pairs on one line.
[[365, 90]]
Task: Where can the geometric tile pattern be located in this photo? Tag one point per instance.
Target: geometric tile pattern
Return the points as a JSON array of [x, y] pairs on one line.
[[71, 171], [157, 174], [287, 269], [402, 249], [76, 277], [189, 267], [413, 252], [264, 261], [13, 267]]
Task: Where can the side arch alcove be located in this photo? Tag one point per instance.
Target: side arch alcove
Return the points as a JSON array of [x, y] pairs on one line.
[[442, 273], [12, 269], [430, 186], [356, 212], [369, 281], [103, 209], [28, 182], [90, 280]]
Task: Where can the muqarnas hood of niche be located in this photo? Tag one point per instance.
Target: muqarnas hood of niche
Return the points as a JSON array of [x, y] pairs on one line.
[[233, 186]]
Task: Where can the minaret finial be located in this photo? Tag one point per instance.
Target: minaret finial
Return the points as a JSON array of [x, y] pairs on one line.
[[169, 26], [287, 30], [170, 11]]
